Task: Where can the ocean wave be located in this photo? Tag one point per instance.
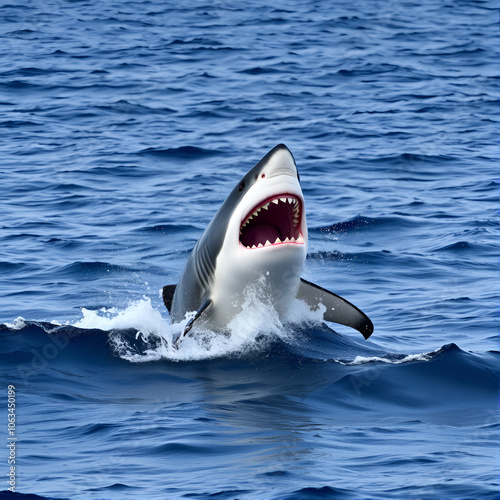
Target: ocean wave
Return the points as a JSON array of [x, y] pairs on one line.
[[140, 333], [182, 152], [397, 359]]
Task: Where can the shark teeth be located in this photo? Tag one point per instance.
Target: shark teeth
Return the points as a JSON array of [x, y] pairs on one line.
[[299, 240]]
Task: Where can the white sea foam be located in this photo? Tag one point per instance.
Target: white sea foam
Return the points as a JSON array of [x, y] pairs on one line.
[[255, 325], [140, 315], [363, 360], [18, 324]]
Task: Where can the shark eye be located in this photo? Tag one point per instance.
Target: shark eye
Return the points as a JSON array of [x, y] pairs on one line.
[[242, 186]]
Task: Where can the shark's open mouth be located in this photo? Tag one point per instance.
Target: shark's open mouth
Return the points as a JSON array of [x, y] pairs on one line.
[[273, 222]]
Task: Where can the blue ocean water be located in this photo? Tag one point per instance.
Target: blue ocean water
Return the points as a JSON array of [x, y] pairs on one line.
[[124, 125]]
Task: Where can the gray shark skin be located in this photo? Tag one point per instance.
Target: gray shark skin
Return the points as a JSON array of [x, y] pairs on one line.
[[258, 237]]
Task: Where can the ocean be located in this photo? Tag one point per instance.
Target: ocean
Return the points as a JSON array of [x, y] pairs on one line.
[[124, 126]]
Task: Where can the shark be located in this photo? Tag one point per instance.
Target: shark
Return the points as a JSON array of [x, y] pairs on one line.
[[259, 238]]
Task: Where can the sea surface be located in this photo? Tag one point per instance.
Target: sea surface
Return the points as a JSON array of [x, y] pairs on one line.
[[124, 125]]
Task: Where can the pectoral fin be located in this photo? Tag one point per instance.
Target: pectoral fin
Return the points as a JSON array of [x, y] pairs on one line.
[[338, 310], [204, 307]]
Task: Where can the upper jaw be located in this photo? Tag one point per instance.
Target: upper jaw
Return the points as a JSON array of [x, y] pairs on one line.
[[276, 220]]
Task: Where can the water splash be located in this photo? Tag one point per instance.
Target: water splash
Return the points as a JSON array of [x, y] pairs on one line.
[[251, 330]]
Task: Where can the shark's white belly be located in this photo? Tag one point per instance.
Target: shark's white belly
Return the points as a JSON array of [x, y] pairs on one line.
[[270, 274]]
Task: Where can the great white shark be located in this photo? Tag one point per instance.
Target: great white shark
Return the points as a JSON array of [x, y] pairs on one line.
[[259, 238]]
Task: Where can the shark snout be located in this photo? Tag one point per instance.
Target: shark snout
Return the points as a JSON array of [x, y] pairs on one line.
[[280, 162]]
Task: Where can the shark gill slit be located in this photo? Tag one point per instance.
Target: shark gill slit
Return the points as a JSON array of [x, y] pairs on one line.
[[204, 267]]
